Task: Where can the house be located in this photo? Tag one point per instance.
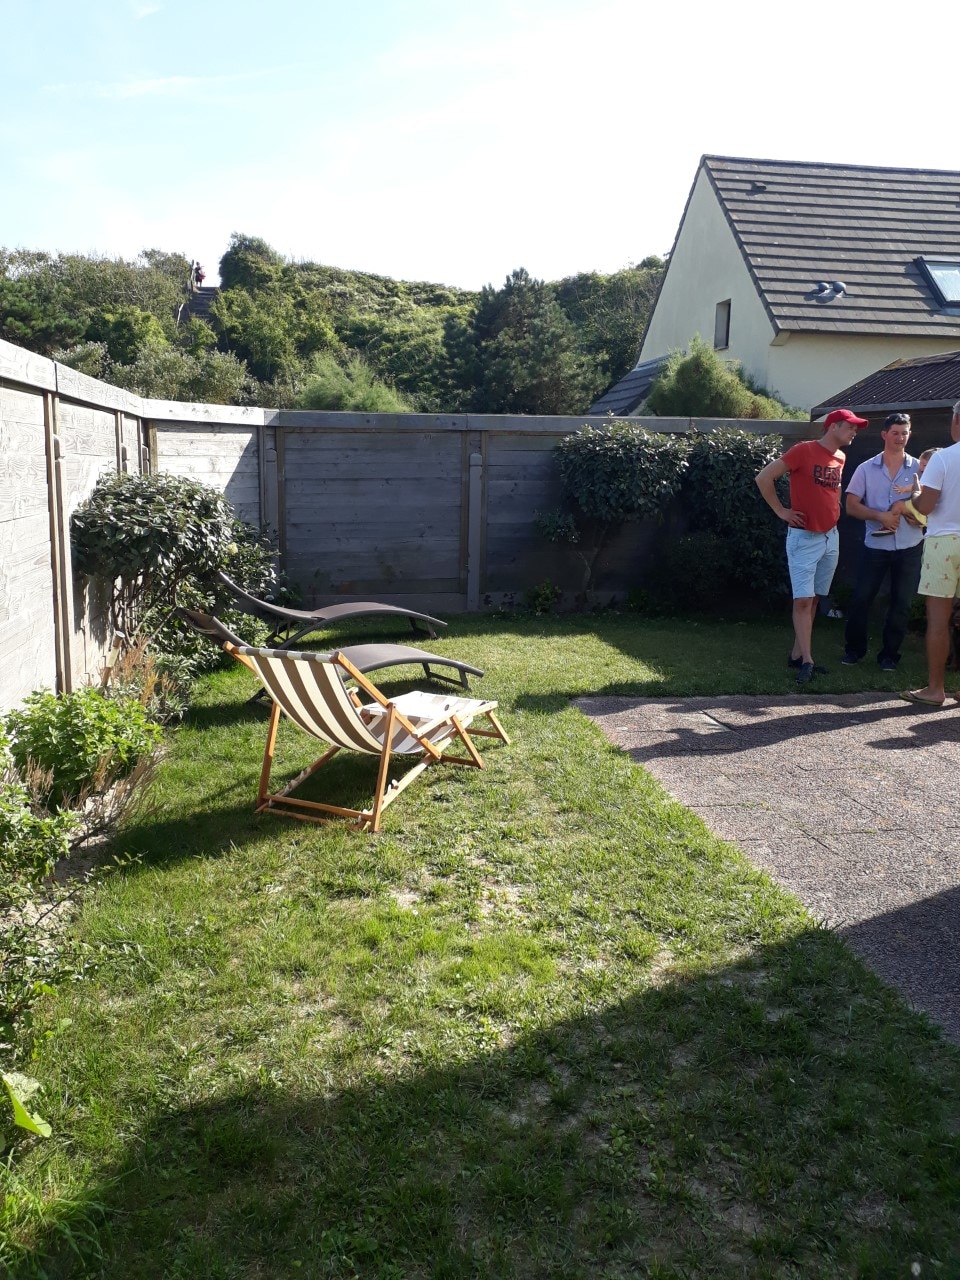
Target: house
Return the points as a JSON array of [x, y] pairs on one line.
[[811, 275]]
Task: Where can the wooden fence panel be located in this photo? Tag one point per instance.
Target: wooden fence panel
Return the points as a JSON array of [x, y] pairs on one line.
[[521, 479], [89, 442], [223, 456], [28, 655], [373, 513]]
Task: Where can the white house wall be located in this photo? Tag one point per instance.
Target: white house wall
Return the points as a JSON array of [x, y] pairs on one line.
[[707, 267], [809, 367]]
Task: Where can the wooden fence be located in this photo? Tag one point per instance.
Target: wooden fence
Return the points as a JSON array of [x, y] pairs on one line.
[[434, 511]]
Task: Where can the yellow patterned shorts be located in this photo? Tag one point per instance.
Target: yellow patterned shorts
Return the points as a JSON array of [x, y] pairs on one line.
[[940, 575]]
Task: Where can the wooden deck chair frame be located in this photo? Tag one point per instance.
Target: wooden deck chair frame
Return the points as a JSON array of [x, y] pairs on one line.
[[399, 735]]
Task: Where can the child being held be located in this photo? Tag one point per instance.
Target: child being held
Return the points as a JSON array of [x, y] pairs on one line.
[[905, 507]]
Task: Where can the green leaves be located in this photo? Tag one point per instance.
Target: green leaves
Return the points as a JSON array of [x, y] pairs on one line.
[[146, 535], [621, 472], [82, 740], [699, 383], [720, 496], [20, 1089]]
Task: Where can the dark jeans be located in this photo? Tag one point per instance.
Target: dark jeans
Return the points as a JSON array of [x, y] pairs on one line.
[[904, 570]]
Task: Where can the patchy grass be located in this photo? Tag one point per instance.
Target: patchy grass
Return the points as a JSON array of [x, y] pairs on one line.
[[544, 1025]]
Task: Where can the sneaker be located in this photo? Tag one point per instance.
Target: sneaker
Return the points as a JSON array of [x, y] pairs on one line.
[[805, 674], [794, 662], [849, 660], [887, 664]]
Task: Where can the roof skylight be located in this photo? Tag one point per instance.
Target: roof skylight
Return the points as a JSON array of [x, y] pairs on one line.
[[943, 275]]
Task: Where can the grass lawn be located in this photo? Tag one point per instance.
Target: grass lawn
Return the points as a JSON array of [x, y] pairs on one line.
[[544, 1025]]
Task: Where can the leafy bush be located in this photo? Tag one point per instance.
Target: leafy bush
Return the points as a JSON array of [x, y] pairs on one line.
[[349, 387], [698, 383], [83, 740], [620, 473], [144, 536], [720, 496], [626, 472], [542, 598], [32, 841]]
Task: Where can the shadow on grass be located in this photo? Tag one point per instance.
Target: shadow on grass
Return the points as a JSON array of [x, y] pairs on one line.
[[781, 1117]]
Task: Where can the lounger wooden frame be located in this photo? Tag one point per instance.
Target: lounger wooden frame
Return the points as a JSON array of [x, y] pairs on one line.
[[310, 690]]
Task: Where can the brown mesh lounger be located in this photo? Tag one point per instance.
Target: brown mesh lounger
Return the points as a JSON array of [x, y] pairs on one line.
[[365, 657], [297, 623]]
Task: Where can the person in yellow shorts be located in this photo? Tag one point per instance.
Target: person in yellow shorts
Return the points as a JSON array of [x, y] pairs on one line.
[[939, 501]]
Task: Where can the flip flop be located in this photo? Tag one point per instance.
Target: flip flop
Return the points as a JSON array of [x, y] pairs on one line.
[[910, 696]]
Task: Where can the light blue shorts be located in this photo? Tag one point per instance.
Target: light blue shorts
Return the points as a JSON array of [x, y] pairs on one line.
[[812, 561]]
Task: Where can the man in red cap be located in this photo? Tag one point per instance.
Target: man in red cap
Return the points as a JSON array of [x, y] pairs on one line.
[[814, 468]]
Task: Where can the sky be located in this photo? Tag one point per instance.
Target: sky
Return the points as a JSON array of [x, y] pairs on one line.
[[428, 140]]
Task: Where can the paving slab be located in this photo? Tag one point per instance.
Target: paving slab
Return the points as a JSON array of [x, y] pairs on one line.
[[850, 801]]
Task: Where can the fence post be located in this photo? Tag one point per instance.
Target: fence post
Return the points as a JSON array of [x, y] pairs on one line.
[[59, 551], [281, 453], [474, 529]]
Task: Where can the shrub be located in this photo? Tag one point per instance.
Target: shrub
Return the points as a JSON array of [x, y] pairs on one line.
[[83, 740], [698, 383], [720, 496], [144, 536], [31, 841], [349, 387], [620, 473]]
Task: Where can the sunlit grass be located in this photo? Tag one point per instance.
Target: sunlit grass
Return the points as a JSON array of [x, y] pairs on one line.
[[544, 1025]]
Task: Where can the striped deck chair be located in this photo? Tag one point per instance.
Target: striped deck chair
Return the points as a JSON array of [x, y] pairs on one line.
[[309, 688]]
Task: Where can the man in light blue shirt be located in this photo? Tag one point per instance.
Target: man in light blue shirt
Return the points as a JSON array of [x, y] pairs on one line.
[[892, 546]]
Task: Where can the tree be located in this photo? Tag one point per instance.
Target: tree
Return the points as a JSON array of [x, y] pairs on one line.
[[620, 473], [125, 331], [526, 354], [249, 263], [611, 312], [33, 321]]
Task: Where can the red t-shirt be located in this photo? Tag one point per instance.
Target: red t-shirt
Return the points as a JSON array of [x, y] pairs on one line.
[[815, 483]]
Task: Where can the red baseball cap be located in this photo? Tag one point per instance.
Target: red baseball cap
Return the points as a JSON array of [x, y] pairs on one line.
[[844, 415]]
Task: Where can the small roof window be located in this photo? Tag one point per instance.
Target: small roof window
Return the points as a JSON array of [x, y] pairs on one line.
[[943, 275]]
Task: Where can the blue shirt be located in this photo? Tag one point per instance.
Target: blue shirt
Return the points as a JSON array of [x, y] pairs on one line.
[[871, 484]]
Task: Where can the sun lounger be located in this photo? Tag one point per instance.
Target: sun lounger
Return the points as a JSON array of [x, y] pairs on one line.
[[311, 690], [293, 624], [365, 657]]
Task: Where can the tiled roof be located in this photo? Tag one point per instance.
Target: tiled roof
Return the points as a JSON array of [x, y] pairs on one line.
[[925, 382], [799, 224], [630, 392]]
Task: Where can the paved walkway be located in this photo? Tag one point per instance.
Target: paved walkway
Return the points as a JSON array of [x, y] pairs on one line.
[[851, 801]]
